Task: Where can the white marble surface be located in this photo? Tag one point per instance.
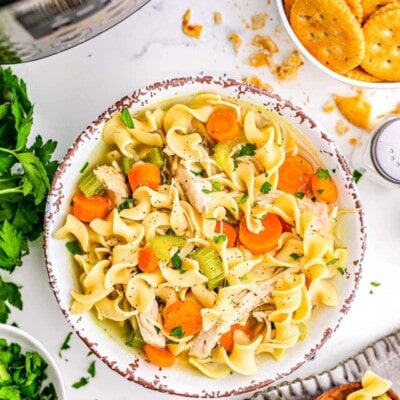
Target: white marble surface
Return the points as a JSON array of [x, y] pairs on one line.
[[72, 88]]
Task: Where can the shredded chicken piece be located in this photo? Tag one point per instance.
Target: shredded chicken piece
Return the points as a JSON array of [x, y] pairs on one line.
[[246, 300], [148, 326], [114, 182], [196, 189]]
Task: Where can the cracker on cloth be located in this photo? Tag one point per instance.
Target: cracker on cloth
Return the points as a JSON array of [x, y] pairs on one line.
[[330, 32], [382, 44]]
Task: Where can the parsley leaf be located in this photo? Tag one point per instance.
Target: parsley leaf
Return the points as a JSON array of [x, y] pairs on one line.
[[176, 261], [357, 175], [247, 149], [265, 188], [65, 345], [177, 332], [82, 382], [92, 369], [9, 295], [127, 118], [295, 256], [220, 238], [243, 199], [12, 246], [323, 174]]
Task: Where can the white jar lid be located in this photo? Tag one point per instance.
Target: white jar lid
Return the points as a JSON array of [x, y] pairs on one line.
[[385, 149]]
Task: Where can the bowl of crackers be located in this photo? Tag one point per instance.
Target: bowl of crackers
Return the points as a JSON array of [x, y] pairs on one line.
[[355, 41]]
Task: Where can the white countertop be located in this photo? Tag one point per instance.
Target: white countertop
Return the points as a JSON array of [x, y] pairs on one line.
[[72, 88]]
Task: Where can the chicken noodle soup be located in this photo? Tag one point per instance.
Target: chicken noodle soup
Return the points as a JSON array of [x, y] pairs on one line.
[[208, 232]]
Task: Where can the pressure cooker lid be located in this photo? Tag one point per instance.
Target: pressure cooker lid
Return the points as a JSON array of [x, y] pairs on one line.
[[33, 29]]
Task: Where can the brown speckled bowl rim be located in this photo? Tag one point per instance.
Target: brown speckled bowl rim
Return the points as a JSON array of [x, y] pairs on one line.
[[141, 98]]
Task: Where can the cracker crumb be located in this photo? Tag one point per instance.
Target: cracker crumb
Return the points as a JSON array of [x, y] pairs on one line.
[[341, 127], [290, 66], [354, 141], [188, 29], [356, 109], [236, 41], [329, 106], [260, 59], [256, 81], [218, 18], [266, 43], [258, 21]]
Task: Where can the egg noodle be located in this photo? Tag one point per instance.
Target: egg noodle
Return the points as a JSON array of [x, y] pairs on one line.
[[244, 300]]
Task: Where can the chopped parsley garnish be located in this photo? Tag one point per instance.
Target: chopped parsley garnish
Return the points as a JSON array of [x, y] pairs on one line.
[[127, 118], [219, 239], [73, 247], [357, 175], [299, 195], [375, 284], [341, 270], [216, 186], [206, 191], [65, 345], [323, 174], [197, 173], [92, 369], [84, 167], [333, 261], [243, 199], [82, 382], [295, 256], [176, 261], [247, 149], [265, 188], [126, 203], [177, 332]]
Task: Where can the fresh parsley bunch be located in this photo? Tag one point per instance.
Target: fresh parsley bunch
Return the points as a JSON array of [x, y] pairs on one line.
[[25, 176]]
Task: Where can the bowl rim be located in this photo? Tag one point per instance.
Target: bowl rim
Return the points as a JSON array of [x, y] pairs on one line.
[[201, 84], [318, 64], [28, 342]]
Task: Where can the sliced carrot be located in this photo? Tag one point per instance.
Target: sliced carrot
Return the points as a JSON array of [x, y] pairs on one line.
[[184, 316], [264, 241], [144, 174], [324, 187], [222, 125], [224, 228], [294, 175], [159, 356], [87, 209], [148, 261], [227, 339]]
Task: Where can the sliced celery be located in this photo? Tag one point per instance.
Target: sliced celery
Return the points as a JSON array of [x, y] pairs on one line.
[[90, 186], [162, 245], [127, 163], [155, 156], [221, 154], [210, 265]]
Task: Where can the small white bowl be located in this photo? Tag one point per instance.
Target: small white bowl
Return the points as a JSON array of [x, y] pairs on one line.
[[322, 67], [29, 343], [179, 380]]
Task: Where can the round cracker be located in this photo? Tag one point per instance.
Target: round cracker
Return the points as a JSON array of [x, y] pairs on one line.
[[383, 9], [370, 6], [287, 4], [330, 32], [382, 46], [356, 8], [360, 75]]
